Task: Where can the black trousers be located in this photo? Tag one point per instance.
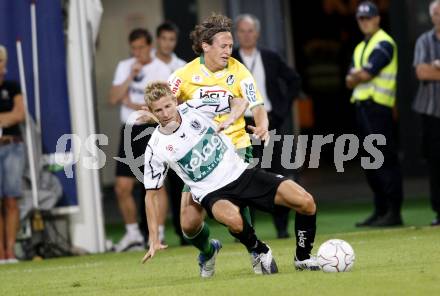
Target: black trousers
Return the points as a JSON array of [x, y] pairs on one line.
[[386, 181], [280, 214], [431, 150]]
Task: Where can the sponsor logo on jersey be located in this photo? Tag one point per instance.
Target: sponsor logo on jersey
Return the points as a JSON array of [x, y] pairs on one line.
[[175, 84], [139, 77], [204, 157], [249, 90], [211, 94], [195, 124], [230, 80]]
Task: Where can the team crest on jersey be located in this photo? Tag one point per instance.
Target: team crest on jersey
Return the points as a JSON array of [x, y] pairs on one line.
[[195, 124], [230, 80], [170, 148], [196, 78]]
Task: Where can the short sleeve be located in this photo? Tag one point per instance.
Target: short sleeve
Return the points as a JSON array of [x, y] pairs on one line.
[[420, 52], [121, 73], [15, 89], [155, 170], [249, 90], [211, 107]]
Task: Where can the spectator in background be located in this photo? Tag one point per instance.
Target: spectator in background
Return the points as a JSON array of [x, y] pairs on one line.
[[131, 77], [427, 101], [166, 40], [373, 80], [269, 70], [12, 158]]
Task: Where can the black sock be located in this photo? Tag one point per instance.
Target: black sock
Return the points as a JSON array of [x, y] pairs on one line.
[[248, 238], [305, 230]]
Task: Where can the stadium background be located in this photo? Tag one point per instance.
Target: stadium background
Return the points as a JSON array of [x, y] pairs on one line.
[[313, 36]]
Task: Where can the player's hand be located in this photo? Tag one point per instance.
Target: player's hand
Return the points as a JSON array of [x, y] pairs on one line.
[[436, 64], [350, 82], [145, 116], [135, 69], [153, 248], [261, 133], [224, 125]]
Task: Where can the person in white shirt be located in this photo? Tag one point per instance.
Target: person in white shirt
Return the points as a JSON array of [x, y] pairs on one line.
[[131, 77], [188, 141], [167, 35]]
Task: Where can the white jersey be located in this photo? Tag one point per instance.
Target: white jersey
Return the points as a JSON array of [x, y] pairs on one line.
[[156, 70], [203, 159]]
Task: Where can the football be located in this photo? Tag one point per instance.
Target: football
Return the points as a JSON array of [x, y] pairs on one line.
[[336, 255]]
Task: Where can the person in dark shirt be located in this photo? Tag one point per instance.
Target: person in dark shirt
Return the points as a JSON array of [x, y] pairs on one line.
[[12, 159]]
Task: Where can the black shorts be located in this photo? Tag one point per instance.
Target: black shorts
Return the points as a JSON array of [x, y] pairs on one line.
[[138, 147], [255, 187]]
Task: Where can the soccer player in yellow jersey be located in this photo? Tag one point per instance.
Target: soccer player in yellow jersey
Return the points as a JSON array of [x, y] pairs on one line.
[[216, 74]]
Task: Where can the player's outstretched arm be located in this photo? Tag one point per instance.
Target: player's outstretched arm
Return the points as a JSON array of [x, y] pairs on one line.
[[151, 208], [261, 128], [238, 107]]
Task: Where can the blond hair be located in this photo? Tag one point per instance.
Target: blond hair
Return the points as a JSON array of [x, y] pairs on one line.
[[3, 53], [157, 90]]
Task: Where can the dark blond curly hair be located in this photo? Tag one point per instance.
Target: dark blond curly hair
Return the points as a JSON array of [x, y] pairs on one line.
[[205, 31]]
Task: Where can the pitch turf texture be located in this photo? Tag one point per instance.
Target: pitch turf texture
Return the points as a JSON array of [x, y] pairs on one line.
[[394, 261]]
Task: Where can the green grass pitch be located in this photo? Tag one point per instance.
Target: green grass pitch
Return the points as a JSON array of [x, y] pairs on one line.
[[395, 261]]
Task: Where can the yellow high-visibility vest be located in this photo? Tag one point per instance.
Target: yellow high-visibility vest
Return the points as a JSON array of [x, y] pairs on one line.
[[382, 88]]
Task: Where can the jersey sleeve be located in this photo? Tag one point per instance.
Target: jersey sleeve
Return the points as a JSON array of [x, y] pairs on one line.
[[248, 88], [211, 107], [155, 170]]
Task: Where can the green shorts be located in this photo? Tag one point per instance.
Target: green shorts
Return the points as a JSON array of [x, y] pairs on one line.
[[244, 153]]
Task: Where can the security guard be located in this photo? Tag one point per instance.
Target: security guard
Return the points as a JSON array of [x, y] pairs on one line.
[[373, 80]]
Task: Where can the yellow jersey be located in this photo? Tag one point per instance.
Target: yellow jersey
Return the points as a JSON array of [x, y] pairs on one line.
[[196, 81]]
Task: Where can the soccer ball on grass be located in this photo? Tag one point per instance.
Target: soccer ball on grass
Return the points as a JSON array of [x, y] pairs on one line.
[[336, 255]]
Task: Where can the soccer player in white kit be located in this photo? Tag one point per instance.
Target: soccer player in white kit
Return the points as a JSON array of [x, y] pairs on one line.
[[188, 141]]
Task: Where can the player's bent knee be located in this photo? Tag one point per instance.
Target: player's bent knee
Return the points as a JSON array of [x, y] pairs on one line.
[[190, 224], [308, 206], [235, 224]]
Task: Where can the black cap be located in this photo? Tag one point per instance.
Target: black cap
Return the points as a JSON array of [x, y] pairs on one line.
[[367, 9]]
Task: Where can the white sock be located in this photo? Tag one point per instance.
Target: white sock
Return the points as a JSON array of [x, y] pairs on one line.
[[161, 233], [132, 229]]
